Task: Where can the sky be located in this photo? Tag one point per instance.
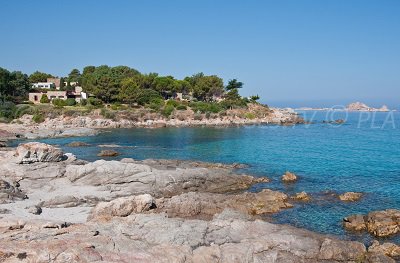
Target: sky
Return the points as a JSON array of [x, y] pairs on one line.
[[290, 52]]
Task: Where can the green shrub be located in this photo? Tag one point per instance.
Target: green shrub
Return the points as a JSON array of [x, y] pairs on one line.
[[147, 95], [205, 107], [95, 102], [7, 110], [250, 116], [22, 110], [156, 104], [168, 109], [59, 103], [108, 114], [172, 103], [181, 107], [83, 102], [44, 99], [70, 102], [38, 118], [197, 117]]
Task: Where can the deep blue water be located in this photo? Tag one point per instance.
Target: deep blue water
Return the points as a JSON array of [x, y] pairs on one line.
[[361, 155]]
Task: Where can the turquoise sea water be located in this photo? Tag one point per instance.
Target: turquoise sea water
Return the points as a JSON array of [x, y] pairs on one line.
[[361, 155]]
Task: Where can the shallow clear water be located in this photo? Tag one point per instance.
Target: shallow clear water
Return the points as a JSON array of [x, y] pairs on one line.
[[361, 155]]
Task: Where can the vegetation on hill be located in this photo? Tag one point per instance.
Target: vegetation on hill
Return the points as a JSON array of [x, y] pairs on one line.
[[123, 87]]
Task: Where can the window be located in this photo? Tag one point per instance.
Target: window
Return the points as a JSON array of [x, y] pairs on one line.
[[35, 98]]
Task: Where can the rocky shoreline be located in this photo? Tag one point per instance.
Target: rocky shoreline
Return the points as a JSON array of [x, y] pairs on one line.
[[56, 208], [68, 126]]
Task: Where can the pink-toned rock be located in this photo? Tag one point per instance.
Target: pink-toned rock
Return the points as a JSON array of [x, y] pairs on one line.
[[350, 196], [37, 152], [289, 177], [123, 206], [389, 249], [302, 196]]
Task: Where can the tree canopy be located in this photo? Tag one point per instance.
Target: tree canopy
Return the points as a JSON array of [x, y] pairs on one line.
[[122, 84], [13, 85], [38, 76]]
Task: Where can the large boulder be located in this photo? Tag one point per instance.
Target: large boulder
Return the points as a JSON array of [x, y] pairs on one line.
[[125, 179], [383, 223], [389, 249], [378, 223], [206, 205], [123, 206], [37, 152]]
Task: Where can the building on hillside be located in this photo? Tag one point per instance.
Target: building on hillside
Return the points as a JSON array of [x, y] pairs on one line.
[[76, 94], [43, 85], [56, 81], [51, 83]]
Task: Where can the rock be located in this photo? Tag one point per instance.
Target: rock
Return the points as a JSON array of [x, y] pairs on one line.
[[206, 205], [340, 251], [37, 152], [123, 206], [62, 201], [350, 196], [77, 144], [36, 210], [355, 222], [383, 223], [389, 249], [3, 144], [377, 258], [303, 196], [125, 179], [10, 192], [108, 153], [289, 177], [378, 223], [147, 238]]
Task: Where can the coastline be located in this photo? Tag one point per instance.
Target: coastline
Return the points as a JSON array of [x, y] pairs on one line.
[[70, 126], [61, 208]]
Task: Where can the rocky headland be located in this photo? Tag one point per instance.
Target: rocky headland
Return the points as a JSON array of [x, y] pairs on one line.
[[56, 208]]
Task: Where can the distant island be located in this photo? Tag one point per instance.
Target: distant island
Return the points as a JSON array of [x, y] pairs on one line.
[[359, 106], [355, 106]]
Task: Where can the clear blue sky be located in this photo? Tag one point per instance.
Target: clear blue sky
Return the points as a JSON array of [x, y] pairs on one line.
[[297, 52]]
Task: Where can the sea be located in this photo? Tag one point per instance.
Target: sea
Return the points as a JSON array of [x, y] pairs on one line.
[[360, 155]]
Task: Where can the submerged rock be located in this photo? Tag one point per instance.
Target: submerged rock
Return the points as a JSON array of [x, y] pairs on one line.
[[289, 177], [350, 196], [108, 153], [77, 144], [302, 196], [37, 152]]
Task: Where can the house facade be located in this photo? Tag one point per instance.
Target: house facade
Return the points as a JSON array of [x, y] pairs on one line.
[[76, 94]]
